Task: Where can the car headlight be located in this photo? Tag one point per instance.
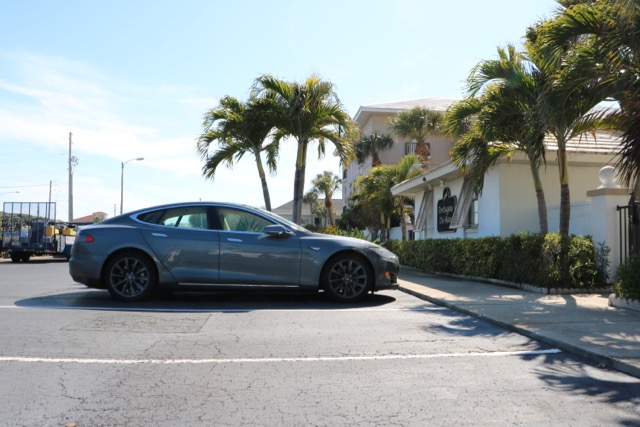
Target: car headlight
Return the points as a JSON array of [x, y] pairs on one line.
[[383, 253]]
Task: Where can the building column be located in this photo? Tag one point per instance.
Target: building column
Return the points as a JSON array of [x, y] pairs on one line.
[[605, 223]]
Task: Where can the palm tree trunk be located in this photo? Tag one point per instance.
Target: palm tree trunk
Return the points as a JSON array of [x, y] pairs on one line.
[[565, 212], [298, 181], [263, 180], [565, 198], [423, 151], [329, 205], [542, 204]]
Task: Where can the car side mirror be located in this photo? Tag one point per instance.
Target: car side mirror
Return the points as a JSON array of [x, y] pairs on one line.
[[277, 231]]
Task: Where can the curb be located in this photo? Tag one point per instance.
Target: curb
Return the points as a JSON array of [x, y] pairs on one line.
[[619, 302], [602, 361]]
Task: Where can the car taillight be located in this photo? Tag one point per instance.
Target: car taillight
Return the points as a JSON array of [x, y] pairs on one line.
[[88, 238]]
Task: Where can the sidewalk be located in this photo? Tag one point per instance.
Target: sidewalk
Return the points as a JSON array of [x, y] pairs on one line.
[[580, 324]]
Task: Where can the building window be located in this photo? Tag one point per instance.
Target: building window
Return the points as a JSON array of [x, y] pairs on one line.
[[410, 147]]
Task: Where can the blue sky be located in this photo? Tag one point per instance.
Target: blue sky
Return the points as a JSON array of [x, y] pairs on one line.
[[133, 79]]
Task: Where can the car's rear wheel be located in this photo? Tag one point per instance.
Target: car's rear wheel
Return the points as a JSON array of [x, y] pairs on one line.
[[347, 278], [130, 276]]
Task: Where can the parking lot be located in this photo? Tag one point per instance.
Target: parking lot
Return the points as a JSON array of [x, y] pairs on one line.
[[73, 355]]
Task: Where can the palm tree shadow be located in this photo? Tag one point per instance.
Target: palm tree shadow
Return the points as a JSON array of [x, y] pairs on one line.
[[567, 375]]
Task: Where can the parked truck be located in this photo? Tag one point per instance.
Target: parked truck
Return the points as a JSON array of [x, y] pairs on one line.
[[31, 228]]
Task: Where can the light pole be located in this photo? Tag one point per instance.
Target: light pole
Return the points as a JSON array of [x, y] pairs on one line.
[[122, 179]]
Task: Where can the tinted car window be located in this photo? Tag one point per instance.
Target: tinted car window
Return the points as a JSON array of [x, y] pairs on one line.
[[238, 220], [185, 217]]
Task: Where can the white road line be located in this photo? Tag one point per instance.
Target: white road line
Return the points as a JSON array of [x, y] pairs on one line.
[[273, 359]]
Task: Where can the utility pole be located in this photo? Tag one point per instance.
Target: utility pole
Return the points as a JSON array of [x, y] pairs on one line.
[[70, 181]]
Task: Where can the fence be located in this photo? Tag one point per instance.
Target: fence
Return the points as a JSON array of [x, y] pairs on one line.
[[629, 219]]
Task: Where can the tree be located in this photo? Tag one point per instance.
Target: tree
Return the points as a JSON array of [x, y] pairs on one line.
[[325, 184], [607, 60], [500, 116], [408, 167], [371, 145], [308, 111], [311, 199], [567, 111], [238, 128], [374, 199], [417, 124]]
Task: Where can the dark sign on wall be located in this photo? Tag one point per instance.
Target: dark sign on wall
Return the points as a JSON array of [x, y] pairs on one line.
[[446, 206]]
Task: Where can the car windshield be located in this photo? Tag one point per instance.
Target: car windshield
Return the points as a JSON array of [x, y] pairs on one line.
[[278, 218]]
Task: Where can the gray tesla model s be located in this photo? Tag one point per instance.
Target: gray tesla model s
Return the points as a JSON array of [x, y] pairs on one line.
[[224, 246]]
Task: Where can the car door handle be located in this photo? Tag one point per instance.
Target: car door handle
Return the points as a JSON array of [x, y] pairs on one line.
[[158, 235], [231, 239]]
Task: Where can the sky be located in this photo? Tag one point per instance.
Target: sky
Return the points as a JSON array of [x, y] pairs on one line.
[[133, 79]]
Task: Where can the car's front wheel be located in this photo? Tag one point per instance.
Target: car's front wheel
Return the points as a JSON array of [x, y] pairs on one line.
[[130, 277], [347, 278]]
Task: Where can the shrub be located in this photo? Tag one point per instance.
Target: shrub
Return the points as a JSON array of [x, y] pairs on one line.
[[523, 258], [627, 283]]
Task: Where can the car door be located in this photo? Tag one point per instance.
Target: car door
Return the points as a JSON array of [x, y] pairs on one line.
[[249, 256], [185, 243]]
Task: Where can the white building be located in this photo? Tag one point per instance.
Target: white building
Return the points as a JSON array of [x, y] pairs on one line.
[[508, 201], [446, 206]]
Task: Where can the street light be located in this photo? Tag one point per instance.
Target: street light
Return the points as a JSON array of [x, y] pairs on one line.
[[9, 192], [122, 180]]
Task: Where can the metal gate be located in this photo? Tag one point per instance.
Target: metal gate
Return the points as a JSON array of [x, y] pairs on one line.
[[629, 218]]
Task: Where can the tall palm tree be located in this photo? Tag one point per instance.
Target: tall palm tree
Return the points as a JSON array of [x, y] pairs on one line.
[[326, 184], [607, 59], [418, 124], [371, 145], [567, 113], [504, 118], [307, 111], [238, 128]]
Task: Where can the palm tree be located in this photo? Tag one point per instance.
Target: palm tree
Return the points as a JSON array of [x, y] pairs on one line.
[[417, 124], [373, 194], [311, 199], [567, 112], [373, 199], [503, 119], [325, 184], [308, 111], [408, 167], [371, 145], [607, 59], [238, 128]]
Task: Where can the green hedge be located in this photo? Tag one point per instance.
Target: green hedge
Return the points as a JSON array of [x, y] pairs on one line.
[[524, 258], [628, 279]]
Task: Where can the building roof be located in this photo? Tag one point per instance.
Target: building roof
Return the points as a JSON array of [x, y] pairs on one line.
[[92, 217], [437, 104], [600, 142]]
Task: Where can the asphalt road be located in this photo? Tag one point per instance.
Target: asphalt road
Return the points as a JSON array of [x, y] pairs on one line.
[[70, 355]]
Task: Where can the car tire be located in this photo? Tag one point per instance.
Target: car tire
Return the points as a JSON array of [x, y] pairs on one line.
[[130, 276], [347, 278]]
